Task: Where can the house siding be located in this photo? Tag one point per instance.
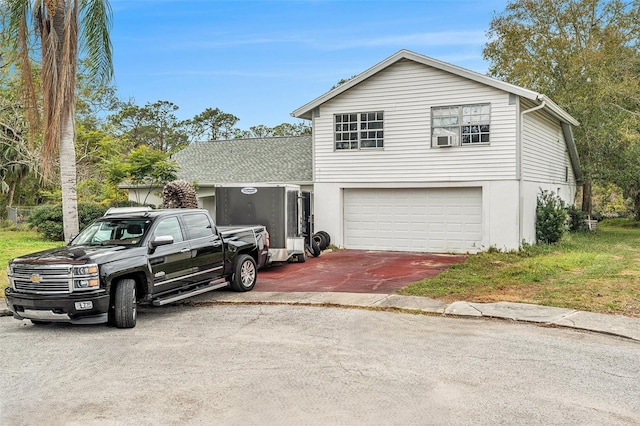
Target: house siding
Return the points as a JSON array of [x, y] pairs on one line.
[[544, 149], [546, 164], [406, 91]]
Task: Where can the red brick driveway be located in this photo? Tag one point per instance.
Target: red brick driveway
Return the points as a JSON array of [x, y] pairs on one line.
[[355, 271]]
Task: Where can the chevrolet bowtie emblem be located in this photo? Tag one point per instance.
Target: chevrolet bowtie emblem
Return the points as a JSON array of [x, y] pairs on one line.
[[35, 278]]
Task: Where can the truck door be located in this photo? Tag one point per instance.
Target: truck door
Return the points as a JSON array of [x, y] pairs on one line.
[[206, 247], [170, 264]]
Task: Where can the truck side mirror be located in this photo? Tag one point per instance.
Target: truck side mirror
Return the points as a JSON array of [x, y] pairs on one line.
[[161, 240]]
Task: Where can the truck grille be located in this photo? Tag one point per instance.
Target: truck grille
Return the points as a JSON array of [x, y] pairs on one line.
[[54, 279]]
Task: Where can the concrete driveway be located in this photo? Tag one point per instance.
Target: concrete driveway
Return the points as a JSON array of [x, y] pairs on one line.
[[355, 271]]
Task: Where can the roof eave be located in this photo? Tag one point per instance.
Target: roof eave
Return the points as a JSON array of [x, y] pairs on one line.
[[558, 112]]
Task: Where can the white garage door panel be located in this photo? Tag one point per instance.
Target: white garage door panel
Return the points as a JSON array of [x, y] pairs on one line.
[[424, 220]]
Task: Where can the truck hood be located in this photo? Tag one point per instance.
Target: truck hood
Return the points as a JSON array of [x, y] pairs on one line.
[[78, 255]]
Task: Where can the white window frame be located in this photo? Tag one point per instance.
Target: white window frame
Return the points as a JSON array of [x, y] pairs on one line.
[[465, 125], [358, 131]]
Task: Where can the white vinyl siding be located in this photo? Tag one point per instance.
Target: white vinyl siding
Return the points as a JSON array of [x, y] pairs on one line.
[[544, 150], [413, 219], [406, 91]]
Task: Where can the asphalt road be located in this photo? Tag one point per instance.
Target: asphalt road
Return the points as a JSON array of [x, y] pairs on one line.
[[263, 364]]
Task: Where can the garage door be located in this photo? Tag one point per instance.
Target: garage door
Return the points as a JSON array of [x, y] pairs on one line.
[[421, 220]]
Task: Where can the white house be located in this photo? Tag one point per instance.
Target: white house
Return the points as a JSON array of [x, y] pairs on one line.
[[415, 154]]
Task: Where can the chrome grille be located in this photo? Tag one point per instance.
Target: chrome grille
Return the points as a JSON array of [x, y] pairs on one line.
[[54, 279]]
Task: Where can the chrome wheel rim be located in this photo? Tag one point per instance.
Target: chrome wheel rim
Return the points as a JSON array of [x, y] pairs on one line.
[[247, 273]]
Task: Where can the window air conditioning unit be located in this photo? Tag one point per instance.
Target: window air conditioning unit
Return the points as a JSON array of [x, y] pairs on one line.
[[444, 140]]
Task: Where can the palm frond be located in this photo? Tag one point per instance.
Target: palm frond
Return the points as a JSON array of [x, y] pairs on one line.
[[18, 38], [95, 42]]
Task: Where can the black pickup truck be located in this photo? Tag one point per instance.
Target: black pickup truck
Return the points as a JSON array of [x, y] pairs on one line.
[[154, 257]]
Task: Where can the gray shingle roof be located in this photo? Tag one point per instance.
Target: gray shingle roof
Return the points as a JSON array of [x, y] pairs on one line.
[[258, 160]]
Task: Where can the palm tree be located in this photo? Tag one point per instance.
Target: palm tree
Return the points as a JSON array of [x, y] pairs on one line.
[[61, 29]]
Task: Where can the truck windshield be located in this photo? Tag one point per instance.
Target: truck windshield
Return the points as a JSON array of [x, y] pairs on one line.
[[113, 231]]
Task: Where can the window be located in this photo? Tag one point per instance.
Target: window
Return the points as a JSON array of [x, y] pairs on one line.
[[362, 130], [114, 231], [169, 227], [198, 225], [460, 125]]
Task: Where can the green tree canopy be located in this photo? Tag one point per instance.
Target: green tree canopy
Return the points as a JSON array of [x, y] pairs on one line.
[[143, 167], [584, 55], [154, 125], [213, 124]]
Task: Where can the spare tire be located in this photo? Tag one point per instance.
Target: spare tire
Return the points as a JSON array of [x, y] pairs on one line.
[[326, 236], [320, 240]]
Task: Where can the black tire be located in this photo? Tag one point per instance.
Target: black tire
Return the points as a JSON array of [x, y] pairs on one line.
[[326, 236], [320, 240], [315, 248], [245, 274], [300, 258], [125, 312]]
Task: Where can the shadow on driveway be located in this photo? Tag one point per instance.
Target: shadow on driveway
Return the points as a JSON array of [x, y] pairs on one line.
[[355, 271]]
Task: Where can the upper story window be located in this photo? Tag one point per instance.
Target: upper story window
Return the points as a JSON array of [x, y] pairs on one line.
[[460, 125], [364, 130]]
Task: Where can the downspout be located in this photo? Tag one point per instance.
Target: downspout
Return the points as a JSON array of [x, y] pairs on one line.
[[539, 98]]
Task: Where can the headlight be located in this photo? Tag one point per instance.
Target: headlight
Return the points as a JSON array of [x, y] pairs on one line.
[[90, 269], [86, 284], [85, 277]]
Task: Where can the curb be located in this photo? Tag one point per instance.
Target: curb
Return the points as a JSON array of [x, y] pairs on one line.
[[615, 325]]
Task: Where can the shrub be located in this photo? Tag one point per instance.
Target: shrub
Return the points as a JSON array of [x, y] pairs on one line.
[[577, 220], [48, 219], [551, 217]]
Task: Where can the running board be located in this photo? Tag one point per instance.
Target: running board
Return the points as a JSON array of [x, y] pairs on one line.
[[213, 285]]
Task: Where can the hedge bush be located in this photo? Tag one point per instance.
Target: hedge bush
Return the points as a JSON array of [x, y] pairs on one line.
[[48, 219], [577, 220], [551, 217]]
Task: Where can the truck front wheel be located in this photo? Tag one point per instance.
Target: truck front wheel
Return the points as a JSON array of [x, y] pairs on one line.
[[125, 304], [245, 274]]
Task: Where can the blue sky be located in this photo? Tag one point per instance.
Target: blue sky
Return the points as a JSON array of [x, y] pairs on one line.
[[260, 60]]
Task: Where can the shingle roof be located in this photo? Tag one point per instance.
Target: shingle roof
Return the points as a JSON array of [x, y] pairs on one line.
[[257, 160]]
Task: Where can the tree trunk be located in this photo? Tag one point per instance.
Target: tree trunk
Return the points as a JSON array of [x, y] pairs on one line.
[[12, 191], [68, 179], [636, 206], [586, 197]]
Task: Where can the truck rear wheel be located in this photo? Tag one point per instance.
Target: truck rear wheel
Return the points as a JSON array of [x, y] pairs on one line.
[[125, 304], [245, 274]]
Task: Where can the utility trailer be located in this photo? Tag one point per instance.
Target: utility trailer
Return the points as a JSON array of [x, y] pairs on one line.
[[279, 207]]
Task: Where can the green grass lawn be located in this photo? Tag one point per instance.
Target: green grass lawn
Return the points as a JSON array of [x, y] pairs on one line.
[[17, 243], [596, 272]]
